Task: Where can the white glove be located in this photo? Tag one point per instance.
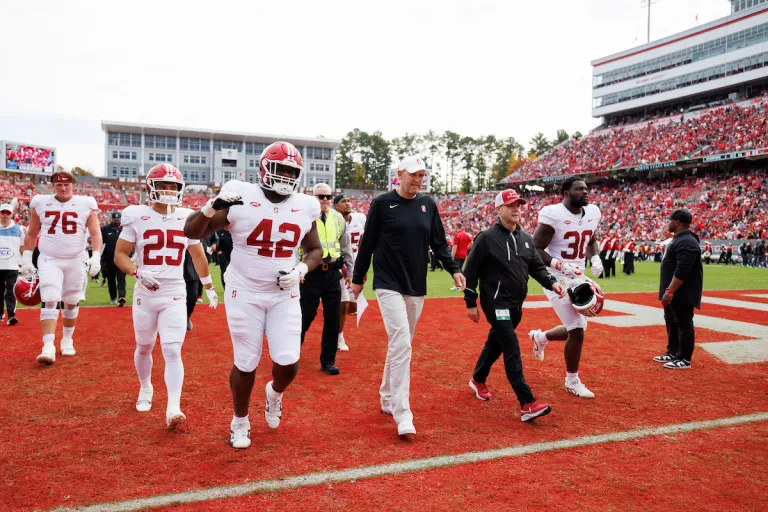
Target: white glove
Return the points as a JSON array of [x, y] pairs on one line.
[[290, 278], [213, 299], [27, 267], [570, 270], [597, 265], [94, 264], [224, 200], [147, 279]]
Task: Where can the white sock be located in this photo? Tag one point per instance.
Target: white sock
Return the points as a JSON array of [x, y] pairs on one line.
[[237, 422], [541, 337], [571, 377], [68, 332], [48, 339], [271, 391], [174, 373], [142, 359]]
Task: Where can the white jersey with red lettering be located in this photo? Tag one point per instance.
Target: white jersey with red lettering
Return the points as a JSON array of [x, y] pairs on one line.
[[265, 236], [159, 238], [355, 228], [573, 232], [63, 226]]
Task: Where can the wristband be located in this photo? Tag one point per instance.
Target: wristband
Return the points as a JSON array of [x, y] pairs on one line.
[[556, 264], [135, 273], [668, 292], [26, 257], [207, 209], [96, 254], [206, 280]]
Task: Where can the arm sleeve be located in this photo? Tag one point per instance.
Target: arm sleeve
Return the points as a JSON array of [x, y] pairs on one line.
[[91, 202], [471, 269], [439, 245], [546, 217], [686, 255], [538, 270], [128, 233], [367, 244]]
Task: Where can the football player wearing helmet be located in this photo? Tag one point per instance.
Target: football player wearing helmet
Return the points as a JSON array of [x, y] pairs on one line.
[[565, 238], [63, 221], [156, 233], [267, 221]]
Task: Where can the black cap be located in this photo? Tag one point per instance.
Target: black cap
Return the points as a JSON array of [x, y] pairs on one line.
[[683, 216], [338, 198], [116, 215]]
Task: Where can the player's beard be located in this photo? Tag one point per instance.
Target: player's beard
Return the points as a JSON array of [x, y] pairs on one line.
[[580, 203]]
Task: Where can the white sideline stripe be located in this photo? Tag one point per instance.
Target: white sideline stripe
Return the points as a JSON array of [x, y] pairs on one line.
[[756, 306], [346, 475], [758, 295]]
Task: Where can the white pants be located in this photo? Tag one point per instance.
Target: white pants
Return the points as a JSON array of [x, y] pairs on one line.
[[162, 312], [62, 278], [570, 318], [400, 314], [250, 315]]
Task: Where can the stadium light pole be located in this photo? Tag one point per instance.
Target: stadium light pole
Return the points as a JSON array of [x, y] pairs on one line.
[[649, 3]]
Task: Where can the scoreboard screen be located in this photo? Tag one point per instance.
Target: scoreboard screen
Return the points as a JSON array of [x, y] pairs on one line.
[[22, 157]]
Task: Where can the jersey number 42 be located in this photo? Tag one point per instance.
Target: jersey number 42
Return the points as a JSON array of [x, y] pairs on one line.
[[261, 237]]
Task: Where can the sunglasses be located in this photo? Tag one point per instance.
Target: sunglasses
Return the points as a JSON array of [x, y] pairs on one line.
[[324, 196]]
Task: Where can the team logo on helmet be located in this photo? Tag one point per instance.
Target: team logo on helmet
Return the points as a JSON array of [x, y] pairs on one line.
[[165, 173], [282, 154], [27, 290]]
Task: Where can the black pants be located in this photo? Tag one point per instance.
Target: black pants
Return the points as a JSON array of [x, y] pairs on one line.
[[680, 333], [604, 261], [7, 282], [610, 267], [193, 287], [435, 263], [629, 263], [115, 281], [223, 260], [322, 284], [460, 261], [503, 340]]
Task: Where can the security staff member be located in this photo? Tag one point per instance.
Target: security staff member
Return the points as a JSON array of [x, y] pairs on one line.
[[192, 280], [222, 248], [502, 258], [11, 242], [114, 276], [323, 282], [401, 225], [680, 287]]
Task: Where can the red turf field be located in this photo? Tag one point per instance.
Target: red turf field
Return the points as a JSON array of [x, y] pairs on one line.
[[72, 437]]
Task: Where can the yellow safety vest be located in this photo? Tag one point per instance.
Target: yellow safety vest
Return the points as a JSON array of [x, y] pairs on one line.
[[329, 233]]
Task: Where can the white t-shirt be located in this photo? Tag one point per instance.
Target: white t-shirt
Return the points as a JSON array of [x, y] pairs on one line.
[[573, 232], [355, 228], [265, 235], [63, 226], [159, 238]]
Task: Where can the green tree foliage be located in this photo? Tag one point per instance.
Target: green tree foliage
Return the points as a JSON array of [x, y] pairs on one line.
[[539, 144]]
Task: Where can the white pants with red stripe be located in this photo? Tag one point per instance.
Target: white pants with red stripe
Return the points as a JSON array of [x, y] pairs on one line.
[[400, 314]]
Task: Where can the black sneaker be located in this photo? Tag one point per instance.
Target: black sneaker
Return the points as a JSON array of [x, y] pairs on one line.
[[13, 320], [665, 358], [121, 302], [678, 364]]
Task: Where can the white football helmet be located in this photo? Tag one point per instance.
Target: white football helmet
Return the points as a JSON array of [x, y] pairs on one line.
[[586, 296]]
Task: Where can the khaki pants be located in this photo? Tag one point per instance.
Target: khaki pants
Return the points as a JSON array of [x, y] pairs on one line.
[[400, 314]]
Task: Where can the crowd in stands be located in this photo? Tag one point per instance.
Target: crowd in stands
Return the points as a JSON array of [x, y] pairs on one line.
[[723, 130], [104, 193]]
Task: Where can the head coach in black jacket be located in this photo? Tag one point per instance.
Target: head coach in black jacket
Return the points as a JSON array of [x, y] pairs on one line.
[[502, 257], [680, 287]]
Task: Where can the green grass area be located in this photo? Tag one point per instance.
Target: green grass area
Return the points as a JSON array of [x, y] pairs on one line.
[[645, 279]]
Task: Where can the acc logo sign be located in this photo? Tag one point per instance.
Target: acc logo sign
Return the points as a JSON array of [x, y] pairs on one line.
[[6, 254]]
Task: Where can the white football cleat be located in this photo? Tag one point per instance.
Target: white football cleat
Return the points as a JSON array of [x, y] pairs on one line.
[[174, 418], [273, 410], [578, 389], [240, 436], [406, 429], [67, 347], [48, 355], [144, 402], [538, 346], [342, 345]]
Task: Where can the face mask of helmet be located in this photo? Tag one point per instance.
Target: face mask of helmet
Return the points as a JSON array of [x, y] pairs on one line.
[[585, 297], [167, 197], [283, 185]]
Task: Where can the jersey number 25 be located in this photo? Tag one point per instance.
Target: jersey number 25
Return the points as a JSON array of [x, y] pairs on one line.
[[164, 239]]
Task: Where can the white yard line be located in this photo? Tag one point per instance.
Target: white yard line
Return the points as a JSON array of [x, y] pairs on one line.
[[347, 475]]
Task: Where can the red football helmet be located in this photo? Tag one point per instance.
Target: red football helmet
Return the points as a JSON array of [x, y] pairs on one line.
[[280, 153], [27, 290], [168, 174], [586, 296]]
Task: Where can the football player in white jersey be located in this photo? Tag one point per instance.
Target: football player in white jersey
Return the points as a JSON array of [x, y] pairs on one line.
[[156, 233], [355, 228], [63, 221], [267, 221], [565, 238]]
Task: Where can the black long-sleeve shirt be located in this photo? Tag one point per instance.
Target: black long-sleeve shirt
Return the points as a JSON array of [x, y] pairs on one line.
[[502, 261], [683, 261], [109, 234], [398, 234]]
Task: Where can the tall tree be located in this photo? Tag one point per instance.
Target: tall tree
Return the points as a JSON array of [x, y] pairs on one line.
[[576, 135], [539, 144], [507, 148], [451, 142], [561, 137], [345, 159]]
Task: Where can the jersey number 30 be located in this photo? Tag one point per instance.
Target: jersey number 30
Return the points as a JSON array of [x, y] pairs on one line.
[[164, 239], [261, 237], [578, 245]]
